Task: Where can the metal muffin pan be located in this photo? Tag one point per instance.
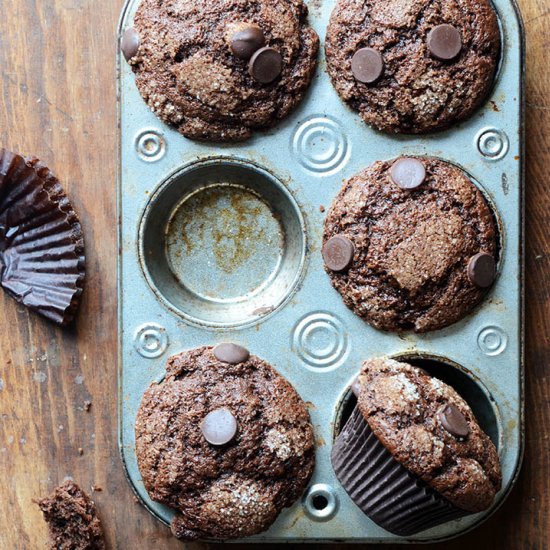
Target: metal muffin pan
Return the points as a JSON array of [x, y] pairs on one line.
[[222, 243]]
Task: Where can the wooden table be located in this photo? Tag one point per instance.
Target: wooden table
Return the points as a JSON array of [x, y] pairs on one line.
[[58, 102]]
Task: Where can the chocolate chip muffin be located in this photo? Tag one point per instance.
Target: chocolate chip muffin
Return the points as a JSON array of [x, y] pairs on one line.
[[72, 519], [413, 66], [410, 244], [224, 440], [412, 455], [219, 69]]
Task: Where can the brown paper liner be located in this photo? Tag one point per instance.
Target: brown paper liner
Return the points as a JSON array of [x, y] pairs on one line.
[[381, 487], [41, 242]]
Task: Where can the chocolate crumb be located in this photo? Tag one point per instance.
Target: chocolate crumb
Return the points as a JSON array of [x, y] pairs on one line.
[[72, 519]]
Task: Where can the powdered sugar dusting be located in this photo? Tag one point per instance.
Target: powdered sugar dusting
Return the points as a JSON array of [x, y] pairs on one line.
[[238, 503], [279, 443], [408, 388]]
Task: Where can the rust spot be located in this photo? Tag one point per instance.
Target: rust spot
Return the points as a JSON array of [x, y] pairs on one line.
[[299, 515], [263, 310], [516, 157], [233, 218], [495, 106]]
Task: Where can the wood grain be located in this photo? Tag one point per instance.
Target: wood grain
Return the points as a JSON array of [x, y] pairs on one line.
[[58, 102]]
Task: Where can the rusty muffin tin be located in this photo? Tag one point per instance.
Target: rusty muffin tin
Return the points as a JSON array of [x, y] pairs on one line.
[[222, 243]]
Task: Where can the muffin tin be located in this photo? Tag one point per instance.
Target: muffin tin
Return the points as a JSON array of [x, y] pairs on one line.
[[222, 243]]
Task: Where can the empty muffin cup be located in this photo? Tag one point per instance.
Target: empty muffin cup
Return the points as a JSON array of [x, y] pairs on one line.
[[222, 243]]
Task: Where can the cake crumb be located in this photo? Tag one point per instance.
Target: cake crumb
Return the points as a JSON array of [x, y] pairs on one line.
[[72, 519]]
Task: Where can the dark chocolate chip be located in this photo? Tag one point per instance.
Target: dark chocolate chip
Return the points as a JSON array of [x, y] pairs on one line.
[[408, 173], [453, 421], [246, 41], [219, 426], [231, 353], [444, 42], [367, 65], [265, 65], [130, 43], [338, 253], [482, 270]]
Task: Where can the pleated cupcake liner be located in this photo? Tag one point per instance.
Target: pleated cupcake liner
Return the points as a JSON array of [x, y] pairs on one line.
[[42, 262], [381, 487]]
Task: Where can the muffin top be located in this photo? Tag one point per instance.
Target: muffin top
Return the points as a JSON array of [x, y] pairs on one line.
[[225, 440], [413, 66], [431, 431], [218, 69], [410, 244]]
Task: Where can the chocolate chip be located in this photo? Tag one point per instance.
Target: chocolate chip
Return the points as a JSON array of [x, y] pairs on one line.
[[453, 421], [265, 65], [408, 173], [231, 353], [367, 65], [246, 41], [482, 270], [219, 426], [130, 43], [444, 42], [338, 253]]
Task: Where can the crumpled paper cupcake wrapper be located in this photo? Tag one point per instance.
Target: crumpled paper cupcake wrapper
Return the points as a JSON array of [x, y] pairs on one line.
[[381, 487], [42, 261]]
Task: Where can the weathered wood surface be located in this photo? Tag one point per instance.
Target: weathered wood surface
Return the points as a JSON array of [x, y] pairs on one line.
[[58, 102]]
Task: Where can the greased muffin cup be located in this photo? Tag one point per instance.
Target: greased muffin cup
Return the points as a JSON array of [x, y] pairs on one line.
[[420, 460]]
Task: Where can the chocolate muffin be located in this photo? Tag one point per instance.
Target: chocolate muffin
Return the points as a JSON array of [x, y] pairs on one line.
[[219, 69], [413, 66], [72, 519], [410, 244], [412, 455], [224, 440]]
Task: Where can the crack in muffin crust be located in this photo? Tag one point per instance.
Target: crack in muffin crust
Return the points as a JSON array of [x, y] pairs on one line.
[[400, 404], [189, 77], [416, 93], [412, 248], [233, 490]]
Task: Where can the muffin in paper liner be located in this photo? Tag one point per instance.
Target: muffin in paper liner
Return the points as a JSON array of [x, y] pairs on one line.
[[381, 487], [42, 261]]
